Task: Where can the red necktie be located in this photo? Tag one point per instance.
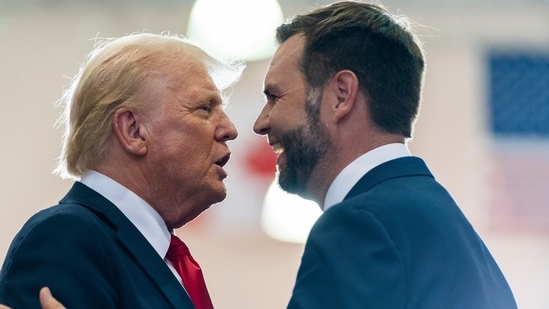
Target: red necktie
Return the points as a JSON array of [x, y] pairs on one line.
[[190, 273]]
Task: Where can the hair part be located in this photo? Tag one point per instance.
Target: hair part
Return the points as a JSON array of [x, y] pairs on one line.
[[380, 48], [130, 71]]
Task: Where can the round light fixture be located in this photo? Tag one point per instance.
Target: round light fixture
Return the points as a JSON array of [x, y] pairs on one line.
[[237, 29], [287, 217]]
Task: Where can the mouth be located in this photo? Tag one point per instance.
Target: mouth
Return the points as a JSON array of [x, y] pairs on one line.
[[221, 162], [276, 146]]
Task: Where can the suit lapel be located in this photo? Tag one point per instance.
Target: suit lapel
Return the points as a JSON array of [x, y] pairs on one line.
[[153, 265], [401, 167], [130, 237]]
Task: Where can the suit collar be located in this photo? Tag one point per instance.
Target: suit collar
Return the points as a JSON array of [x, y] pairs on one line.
[[145, 218], [352, 173], [130, 238], [401, 167]]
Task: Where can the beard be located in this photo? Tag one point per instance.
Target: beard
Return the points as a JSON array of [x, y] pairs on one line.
[[304, 147]]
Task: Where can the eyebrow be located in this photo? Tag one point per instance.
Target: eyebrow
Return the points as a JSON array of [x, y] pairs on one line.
[[211, 97], [268, 90]]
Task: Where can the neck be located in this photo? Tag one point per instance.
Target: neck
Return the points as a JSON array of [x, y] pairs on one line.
[[333, 163]]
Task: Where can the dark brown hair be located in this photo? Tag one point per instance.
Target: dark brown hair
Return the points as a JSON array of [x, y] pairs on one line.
[[377, 46]]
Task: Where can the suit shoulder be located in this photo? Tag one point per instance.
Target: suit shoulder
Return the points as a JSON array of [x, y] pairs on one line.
[[70, 215], [60, 224]]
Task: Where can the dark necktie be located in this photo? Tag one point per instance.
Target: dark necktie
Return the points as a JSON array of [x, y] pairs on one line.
[[190, 272]]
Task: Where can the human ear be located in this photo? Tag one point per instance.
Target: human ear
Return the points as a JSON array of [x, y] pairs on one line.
[[345, 86], [129, 131]]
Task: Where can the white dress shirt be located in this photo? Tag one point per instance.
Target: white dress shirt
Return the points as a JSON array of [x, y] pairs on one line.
[[139, 212], [353, 172]]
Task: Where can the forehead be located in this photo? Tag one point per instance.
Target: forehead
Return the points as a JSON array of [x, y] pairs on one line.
[[185, 88], [284, 65], [193, 79]]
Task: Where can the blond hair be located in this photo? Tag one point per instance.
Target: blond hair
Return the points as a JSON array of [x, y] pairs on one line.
[[123, 72]]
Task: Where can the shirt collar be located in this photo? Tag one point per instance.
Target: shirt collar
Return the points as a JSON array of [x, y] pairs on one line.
[[352, 173], [139, 212]]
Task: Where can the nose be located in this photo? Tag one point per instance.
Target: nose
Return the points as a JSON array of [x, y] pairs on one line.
[[261, 124], [226, 130]]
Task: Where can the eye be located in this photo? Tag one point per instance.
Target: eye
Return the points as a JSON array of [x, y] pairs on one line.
[[271, 97], [206, 108]]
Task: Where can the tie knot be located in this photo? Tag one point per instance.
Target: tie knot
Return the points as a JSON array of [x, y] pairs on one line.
[[177, 248]]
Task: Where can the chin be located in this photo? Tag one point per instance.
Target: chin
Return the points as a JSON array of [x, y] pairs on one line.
[[217, 196]]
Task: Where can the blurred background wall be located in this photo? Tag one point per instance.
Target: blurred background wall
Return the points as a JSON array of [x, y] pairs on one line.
[[483, 129]]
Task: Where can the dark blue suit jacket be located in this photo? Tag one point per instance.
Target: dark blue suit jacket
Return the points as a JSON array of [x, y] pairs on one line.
[[398, 240], [91, 256]]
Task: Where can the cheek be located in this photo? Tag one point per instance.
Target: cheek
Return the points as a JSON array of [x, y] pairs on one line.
[[285, 119], [189, 140], [177, 151], [195, 153], [280, 113]]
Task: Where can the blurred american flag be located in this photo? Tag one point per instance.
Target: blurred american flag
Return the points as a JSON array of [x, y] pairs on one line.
[[519, 127]]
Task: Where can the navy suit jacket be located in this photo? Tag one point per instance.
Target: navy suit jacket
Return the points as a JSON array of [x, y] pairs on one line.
[[91, 256], [398, 240]]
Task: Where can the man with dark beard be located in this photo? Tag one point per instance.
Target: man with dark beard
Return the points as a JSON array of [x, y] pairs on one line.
[[343, 90]]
